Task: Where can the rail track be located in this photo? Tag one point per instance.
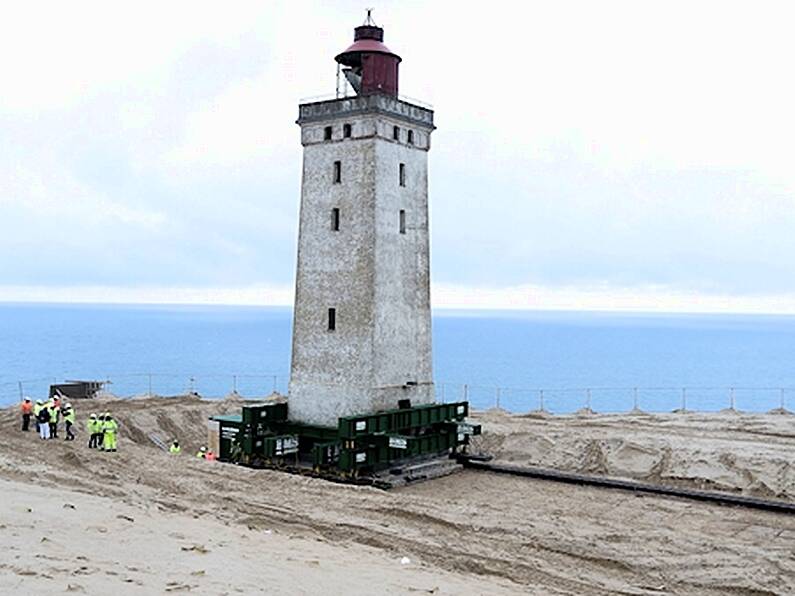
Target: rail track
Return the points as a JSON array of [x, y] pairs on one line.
[[481, 464]]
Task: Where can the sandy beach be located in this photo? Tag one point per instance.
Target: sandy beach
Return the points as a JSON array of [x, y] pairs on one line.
[[142, 521]]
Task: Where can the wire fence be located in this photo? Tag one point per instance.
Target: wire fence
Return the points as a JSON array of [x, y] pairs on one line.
[[620, 399], [518, 400], [157, 384]]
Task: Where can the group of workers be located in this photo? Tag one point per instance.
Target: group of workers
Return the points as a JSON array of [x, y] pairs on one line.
[[102, 429], [202, 453], [47, 415], [207, 454]]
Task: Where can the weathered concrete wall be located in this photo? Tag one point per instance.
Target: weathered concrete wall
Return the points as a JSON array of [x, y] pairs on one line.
[[376, 278], [402, 332]]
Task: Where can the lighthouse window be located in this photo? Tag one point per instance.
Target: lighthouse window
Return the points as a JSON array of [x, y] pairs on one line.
[[410, 139], [327, 133], [332, 319], [335, 219], [402, 174], [337, 172], [346, 130], [396, 133], [402, 221]]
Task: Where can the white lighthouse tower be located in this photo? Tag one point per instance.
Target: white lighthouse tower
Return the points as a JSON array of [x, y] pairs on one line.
[[362, 318]]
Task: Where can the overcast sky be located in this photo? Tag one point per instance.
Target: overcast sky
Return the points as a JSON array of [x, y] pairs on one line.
[[630, 155]]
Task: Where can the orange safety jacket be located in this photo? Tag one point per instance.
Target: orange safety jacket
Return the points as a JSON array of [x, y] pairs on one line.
[[27, 407]]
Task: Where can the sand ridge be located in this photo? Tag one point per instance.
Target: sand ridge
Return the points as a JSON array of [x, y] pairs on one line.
[[750, 454]]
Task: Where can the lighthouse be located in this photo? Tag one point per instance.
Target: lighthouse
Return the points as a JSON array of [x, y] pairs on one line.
[[362, 318], [360, 405]]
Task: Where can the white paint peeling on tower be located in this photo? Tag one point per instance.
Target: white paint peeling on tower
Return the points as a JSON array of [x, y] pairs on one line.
[[362, 318]]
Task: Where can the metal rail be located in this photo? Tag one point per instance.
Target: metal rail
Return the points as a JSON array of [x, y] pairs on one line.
[[476, 463]]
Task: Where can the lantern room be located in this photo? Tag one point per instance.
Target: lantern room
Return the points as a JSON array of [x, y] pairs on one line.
[[368, 65]]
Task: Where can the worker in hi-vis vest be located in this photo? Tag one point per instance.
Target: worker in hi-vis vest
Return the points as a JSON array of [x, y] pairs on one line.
[[69, 419], [175, 449], [37, 408], [109, 429], [55, 414], [92, 427]]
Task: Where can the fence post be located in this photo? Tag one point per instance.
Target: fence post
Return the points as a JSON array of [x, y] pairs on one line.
[[234, 384], [21, 392], [192, 380], [587, 399], [149, 393], [684, 399], [540, 400], [731, 396], [274, 383], [782, 399], [634, 398], [497, 398], [466, 391]]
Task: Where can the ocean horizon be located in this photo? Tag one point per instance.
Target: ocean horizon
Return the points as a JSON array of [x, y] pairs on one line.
[[518, 360]]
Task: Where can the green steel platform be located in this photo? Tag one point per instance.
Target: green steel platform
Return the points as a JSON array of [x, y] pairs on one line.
[[359, 449]]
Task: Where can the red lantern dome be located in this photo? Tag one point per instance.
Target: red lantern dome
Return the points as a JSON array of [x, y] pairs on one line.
[[370, 66]]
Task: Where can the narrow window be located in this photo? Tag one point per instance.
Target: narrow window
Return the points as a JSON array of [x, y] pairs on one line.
[[335, 219], [396, 133], [327, 133], [332, 319], [337, 172], [402, 174], [346, 130], [402, 221], [410, 139]]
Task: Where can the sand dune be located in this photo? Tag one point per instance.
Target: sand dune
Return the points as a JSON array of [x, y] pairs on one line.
[[212, 528], [751, 454]]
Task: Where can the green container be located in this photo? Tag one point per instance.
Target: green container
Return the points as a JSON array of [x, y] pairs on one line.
[[267, 414], [376, 452], [325, 455], [354, 459], [280, 446], [248, 441], [401, 421], [229, 429]]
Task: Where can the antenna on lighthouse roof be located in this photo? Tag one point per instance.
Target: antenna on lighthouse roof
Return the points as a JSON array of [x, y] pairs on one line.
[[369, 20]]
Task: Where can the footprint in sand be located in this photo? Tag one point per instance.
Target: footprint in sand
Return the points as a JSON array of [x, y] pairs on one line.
[[83, 570]]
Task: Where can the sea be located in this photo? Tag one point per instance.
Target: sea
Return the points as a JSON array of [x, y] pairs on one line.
[[520, 361]]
